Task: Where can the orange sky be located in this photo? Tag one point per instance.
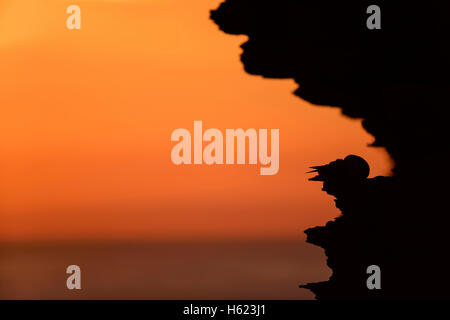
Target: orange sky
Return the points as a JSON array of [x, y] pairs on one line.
[[87, 117]]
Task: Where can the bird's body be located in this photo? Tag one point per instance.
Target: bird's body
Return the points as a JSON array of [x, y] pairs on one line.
[[350, 168]]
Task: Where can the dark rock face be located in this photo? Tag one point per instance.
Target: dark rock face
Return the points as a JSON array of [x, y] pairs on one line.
[[396, 79]]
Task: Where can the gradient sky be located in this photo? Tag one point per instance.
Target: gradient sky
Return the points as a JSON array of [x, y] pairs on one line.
[[87, 117]]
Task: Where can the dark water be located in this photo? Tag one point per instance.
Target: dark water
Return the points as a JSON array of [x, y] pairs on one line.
[[194, 270]]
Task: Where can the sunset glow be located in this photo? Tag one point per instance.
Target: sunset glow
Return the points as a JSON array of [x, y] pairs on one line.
[[87, 117]]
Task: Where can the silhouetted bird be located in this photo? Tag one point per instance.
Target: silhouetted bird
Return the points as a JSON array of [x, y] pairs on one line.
[[350, 168]]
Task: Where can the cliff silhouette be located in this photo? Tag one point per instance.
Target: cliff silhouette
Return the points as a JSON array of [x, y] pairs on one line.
[[396, 79]]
